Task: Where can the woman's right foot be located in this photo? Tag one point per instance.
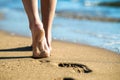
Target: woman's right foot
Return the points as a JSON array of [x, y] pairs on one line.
[[39, 41], [43, 48]]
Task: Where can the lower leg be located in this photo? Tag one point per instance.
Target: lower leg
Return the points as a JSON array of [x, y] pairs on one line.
[[31, 8], [48, 11], [36, 27]]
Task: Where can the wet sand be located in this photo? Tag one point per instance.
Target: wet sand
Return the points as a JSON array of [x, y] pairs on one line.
[[69, 61]]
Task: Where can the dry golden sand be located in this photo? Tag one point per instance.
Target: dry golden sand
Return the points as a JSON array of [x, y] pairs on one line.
[[68, 61]]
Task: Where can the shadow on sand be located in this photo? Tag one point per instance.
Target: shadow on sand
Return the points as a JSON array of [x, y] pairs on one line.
[[25, 48], [15, 57]]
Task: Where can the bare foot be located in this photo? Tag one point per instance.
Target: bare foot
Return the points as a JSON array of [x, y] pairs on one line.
[[49, 40], [49, 45], [39, 42], [43, 48]]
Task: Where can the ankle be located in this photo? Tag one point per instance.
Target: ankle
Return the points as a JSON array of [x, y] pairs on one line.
[[36, 25]]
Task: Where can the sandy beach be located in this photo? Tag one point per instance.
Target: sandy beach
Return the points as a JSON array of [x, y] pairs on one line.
[[69, 61]]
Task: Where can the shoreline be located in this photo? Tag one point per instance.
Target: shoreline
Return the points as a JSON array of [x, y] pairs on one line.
[[68, 61], [18, 35]]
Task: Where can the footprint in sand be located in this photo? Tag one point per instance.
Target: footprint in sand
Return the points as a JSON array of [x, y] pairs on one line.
[[79, 68], [68, 78], [44, 61]]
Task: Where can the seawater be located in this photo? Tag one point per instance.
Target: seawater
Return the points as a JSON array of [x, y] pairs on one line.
[[96, 33]]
